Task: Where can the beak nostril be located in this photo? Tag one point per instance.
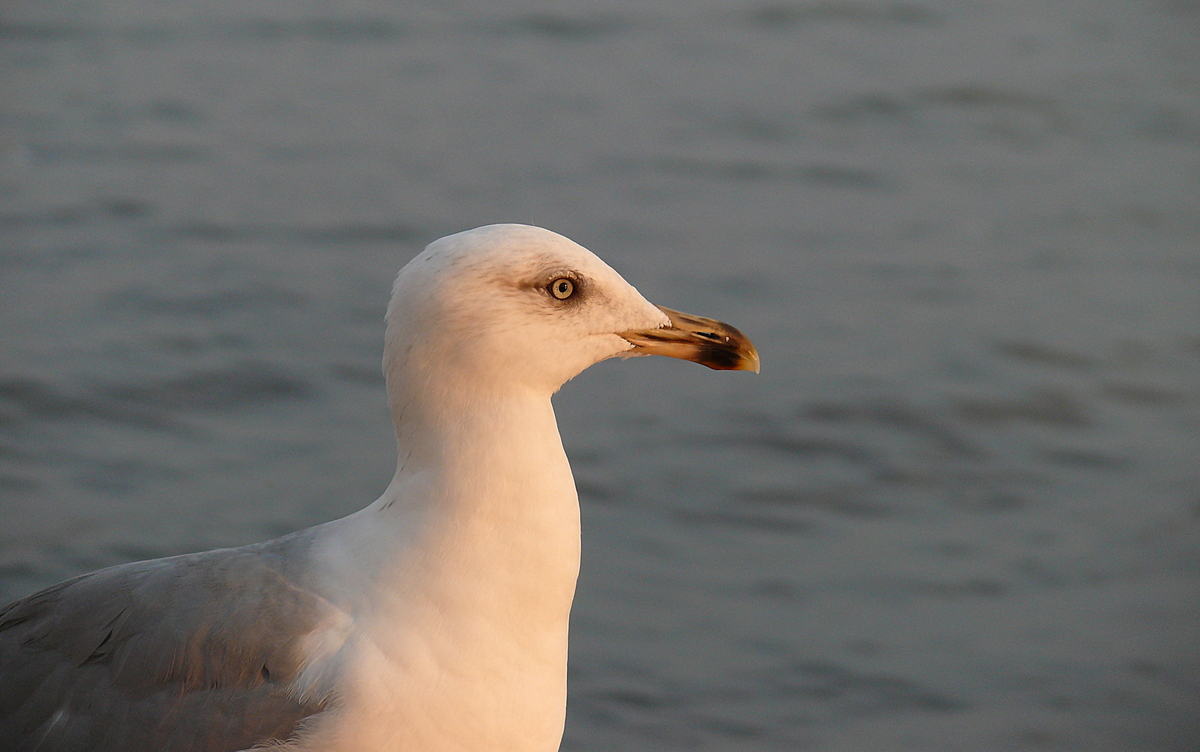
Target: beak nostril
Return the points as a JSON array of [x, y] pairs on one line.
[[705, 341]]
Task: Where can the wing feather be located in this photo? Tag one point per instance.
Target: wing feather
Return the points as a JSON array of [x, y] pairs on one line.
[[192, 653]]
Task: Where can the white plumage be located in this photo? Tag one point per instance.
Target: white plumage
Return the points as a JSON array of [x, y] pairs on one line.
[[435, 618]]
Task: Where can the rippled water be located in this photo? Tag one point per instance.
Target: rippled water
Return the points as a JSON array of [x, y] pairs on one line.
[[957, 511]]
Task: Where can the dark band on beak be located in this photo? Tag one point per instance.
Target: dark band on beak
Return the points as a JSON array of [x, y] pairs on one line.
[[708, 342]]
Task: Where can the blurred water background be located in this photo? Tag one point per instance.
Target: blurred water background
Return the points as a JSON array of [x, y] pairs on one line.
[[959, 509]]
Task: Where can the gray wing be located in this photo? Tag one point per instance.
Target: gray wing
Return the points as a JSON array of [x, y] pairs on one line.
[[187, 654]]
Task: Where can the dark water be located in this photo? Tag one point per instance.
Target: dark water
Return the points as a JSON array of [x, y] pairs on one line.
[[960, 508]]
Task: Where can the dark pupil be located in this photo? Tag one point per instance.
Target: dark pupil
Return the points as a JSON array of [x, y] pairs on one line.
[[562, 288]]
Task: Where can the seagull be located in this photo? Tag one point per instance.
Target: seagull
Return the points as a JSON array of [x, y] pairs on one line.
[[434, 619]]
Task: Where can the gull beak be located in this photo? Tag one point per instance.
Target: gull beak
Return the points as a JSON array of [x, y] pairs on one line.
[[705, 341]]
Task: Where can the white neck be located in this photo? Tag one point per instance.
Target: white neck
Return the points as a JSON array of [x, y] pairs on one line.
[[459, 579]]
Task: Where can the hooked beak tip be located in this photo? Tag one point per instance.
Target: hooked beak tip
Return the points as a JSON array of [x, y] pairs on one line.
[[706, 341]]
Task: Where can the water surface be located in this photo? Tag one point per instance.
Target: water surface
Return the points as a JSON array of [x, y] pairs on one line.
[[957, 511]]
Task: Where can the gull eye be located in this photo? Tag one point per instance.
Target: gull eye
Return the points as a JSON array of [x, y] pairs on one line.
[[562, 288]]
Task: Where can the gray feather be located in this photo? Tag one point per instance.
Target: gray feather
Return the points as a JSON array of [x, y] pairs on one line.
[[187, 654]]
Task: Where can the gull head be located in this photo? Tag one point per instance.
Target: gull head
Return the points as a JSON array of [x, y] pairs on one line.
[[518, 306]]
